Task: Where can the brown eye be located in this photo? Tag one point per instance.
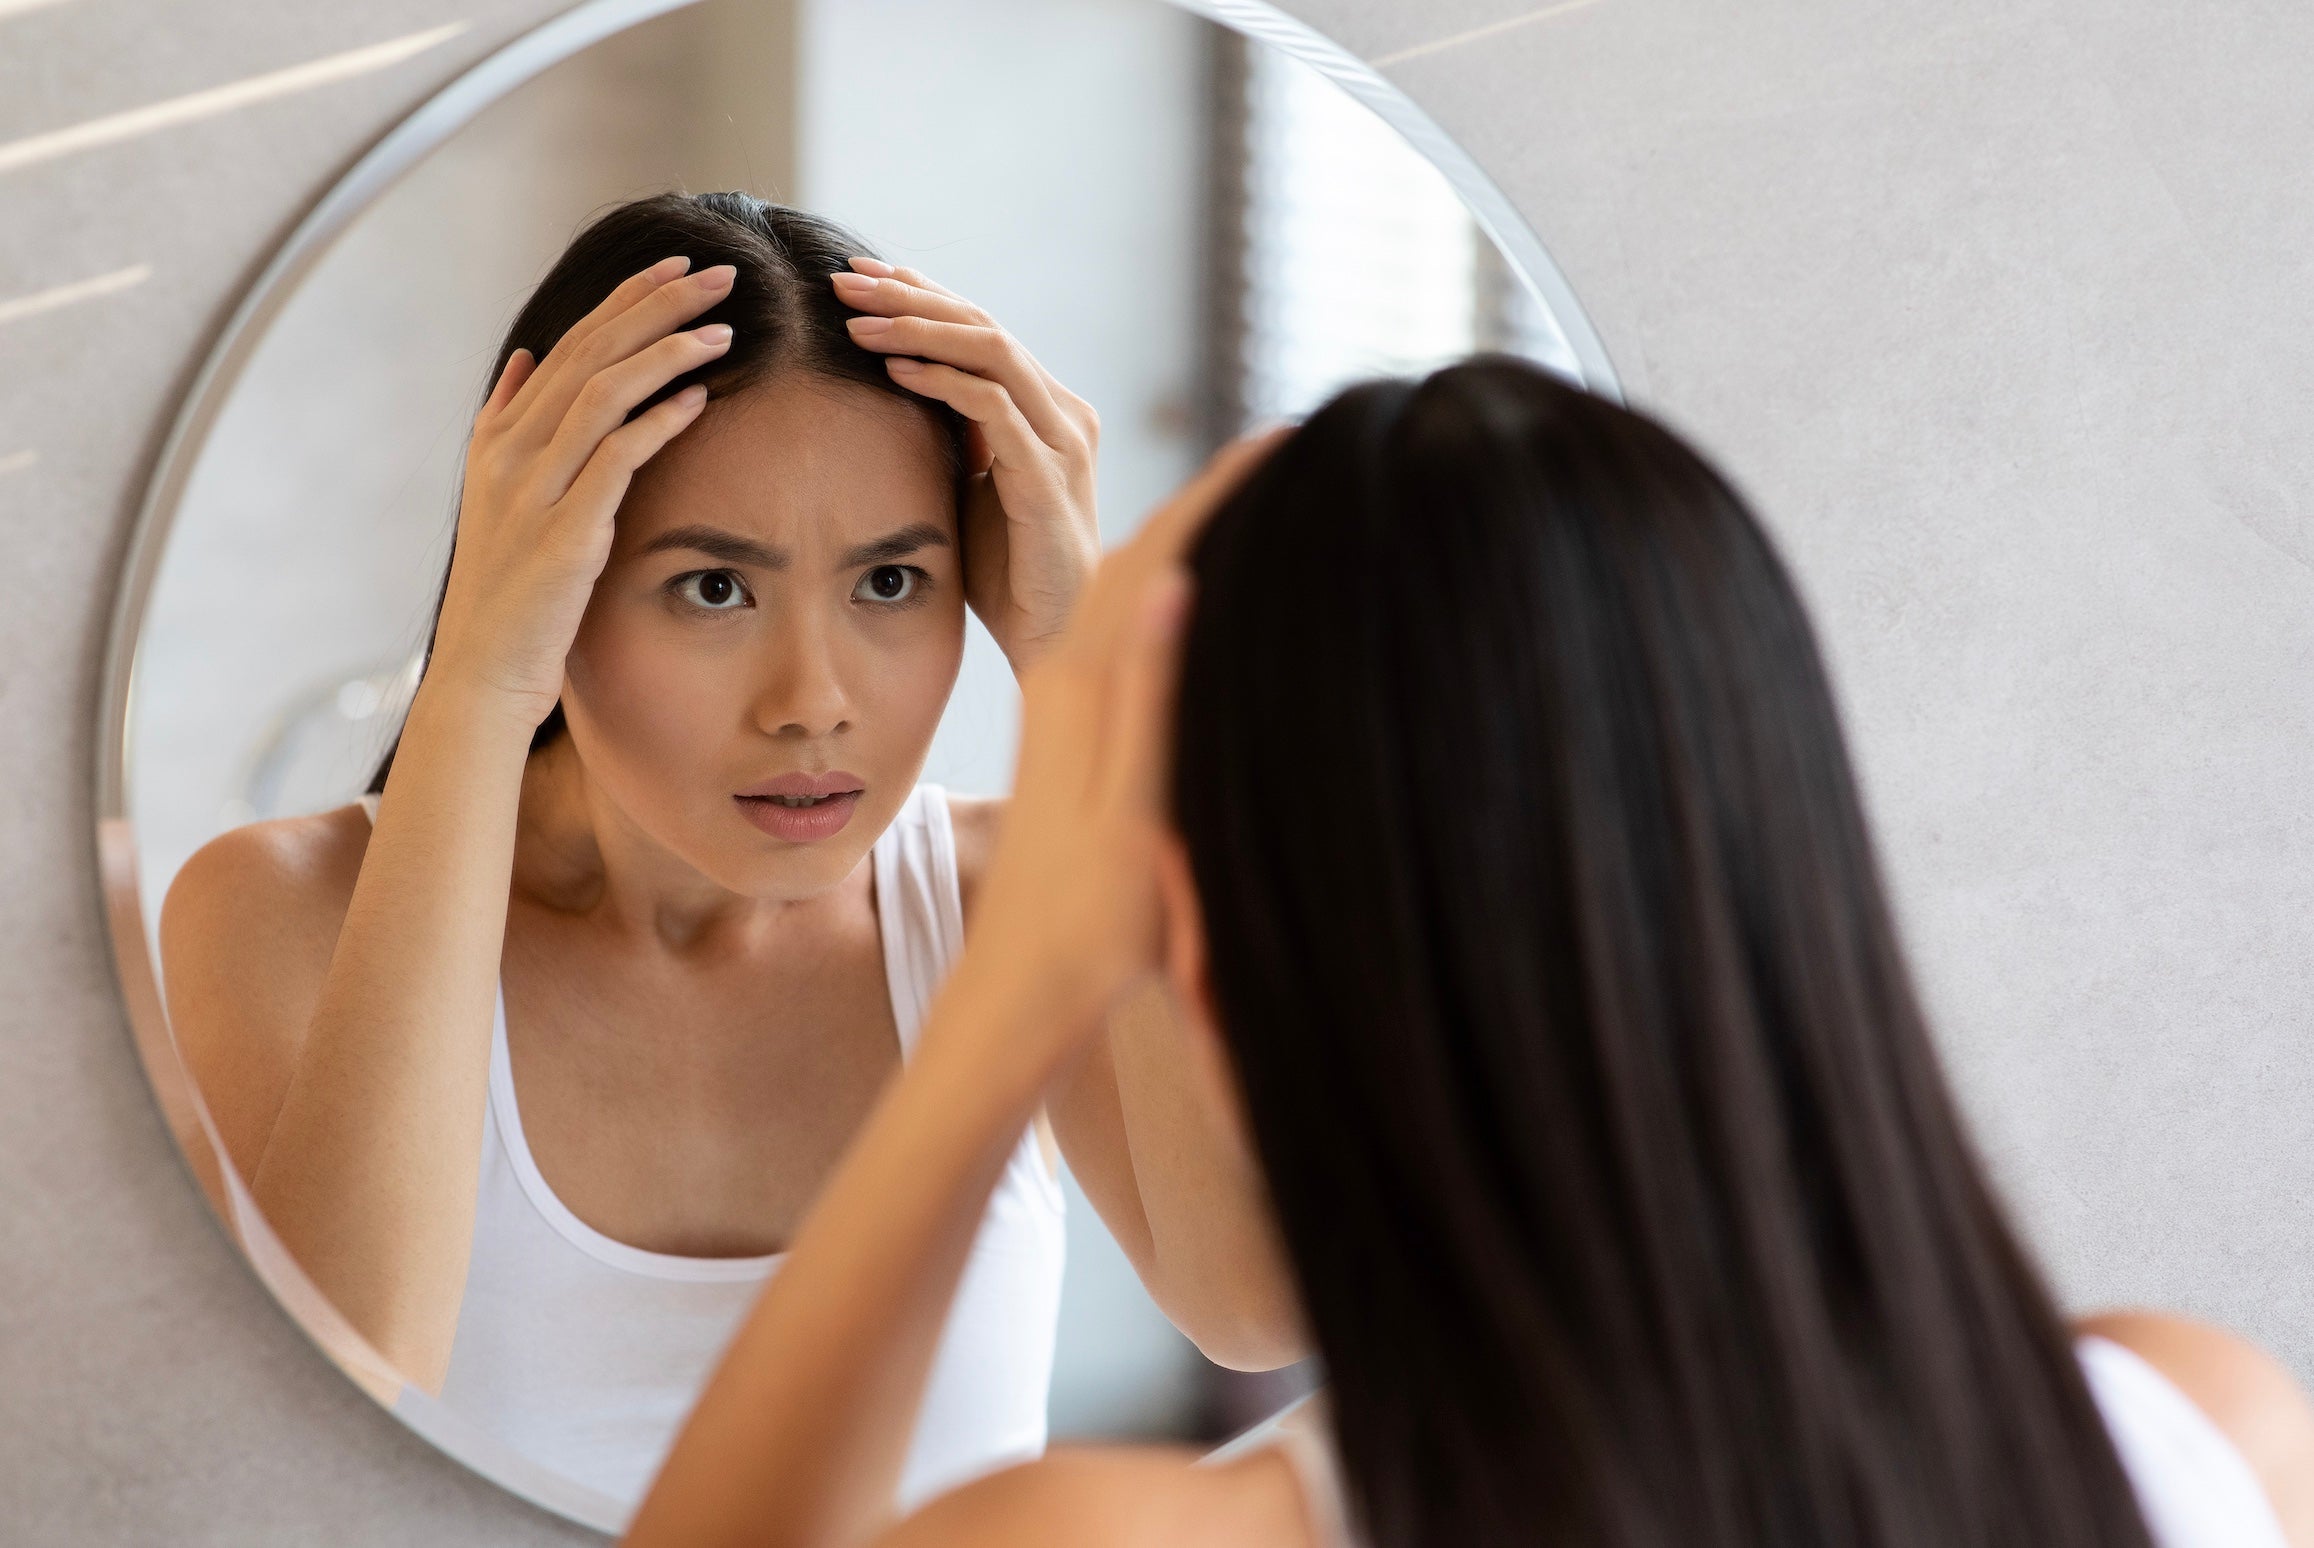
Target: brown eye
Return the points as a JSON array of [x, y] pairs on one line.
[[887, 583], [715, 590]]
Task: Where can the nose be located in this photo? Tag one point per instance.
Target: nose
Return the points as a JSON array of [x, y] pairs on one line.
[[801, 693]]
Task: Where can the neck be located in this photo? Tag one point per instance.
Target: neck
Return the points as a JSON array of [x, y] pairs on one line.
[[576, 851]]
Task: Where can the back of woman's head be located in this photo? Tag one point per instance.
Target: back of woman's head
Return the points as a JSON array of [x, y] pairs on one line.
[[784, 316], [1626, 1198]]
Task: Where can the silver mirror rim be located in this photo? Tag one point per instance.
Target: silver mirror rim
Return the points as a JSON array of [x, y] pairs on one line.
[[395, 153]]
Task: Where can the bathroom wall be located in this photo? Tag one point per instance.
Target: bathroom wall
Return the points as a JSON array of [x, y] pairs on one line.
[[2000, 310]]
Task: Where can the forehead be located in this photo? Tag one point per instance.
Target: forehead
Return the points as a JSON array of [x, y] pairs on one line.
[[796, 459]]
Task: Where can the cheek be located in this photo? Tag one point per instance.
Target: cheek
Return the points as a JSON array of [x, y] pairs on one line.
[[642, 696], [919, 670]]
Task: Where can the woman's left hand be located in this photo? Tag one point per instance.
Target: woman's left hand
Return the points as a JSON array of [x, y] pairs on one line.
[[1031, 532]]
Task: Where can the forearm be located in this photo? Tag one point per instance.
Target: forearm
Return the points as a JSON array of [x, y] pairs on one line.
[[1173, 1180], [369, 1170], [800, 1437]]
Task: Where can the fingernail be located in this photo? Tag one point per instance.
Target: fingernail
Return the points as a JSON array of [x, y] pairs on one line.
[[713, 333], [719, 277], [876, 266], [904, 367], [695, 393], [868, 327], [668, 268], [853, 284]]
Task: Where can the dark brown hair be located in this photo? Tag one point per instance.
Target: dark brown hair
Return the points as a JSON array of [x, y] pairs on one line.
[[1627, 1199], [784, 315]]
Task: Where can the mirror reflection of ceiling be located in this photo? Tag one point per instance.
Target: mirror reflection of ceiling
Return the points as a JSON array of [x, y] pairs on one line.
[[1196, 234]]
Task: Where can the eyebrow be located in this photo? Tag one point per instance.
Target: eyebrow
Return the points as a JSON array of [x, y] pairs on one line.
[[731, 548], [897, 545], [716, 543]]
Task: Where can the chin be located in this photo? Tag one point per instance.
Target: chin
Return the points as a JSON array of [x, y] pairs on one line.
[[757, 866]]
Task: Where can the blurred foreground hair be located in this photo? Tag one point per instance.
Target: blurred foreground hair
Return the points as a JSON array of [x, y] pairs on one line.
[[1627, 1200]]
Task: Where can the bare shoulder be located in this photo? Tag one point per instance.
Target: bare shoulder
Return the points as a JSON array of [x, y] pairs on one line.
[[977, 822], [2243, 1390], [1115, 1497], [247, 931]]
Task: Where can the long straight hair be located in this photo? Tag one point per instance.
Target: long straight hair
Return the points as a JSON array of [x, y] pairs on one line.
[[1627, 1200], [784, 317]]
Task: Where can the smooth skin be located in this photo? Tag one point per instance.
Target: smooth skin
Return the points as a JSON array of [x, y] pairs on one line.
[[798, 1439], [696, 1010]]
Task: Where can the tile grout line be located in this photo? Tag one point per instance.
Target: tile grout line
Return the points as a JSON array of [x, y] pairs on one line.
[[221, 99], [1456, 40], [79, 290]]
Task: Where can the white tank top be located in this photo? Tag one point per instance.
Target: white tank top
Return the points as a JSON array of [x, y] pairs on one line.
[[2193, 1487], [584, 1354]]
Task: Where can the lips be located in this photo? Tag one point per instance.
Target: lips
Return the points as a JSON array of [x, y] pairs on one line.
[[802, 808]]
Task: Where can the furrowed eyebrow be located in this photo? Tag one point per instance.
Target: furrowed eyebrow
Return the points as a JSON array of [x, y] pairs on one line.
[[716, 543], [897, 545]]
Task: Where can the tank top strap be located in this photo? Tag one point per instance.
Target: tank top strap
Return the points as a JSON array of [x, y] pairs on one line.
[[919, 906], [2193, 1484], [2194, 1487]]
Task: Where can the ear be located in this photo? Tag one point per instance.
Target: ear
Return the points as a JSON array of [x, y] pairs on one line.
[[1211, 1070], [1184, 920]]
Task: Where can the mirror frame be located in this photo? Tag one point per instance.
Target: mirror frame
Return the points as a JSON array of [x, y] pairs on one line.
[[396, 152]]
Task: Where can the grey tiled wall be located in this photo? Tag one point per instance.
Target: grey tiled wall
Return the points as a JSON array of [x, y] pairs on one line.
[[2002, 311]]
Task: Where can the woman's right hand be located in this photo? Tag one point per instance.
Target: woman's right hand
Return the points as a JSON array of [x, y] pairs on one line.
[[551, 457]]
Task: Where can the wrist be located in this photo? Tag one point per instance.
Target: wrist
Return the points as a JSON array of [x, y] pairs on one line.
[[1019, 1020], [468, 707], [1024, 650]]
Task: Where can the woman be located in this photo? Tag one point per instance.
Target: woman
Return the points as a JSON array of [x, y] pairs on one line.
[[651, 854], [1516, 874]]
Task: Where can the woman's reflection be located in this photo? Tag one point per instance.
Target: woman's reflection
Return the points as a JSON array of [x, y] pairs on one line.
[[536, 1058]]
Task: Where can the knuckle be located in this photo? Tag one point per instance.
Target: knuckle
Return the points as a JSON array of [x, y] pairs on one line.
[[600, 391]]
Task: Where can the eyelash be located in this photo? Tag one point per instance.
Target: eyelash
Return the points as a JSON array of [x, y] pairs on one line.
[[680, 587], [920, 578]]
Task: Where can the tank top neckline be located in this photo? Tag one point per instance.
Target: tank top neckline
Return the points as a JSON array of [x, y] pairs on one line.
[[926, 806]]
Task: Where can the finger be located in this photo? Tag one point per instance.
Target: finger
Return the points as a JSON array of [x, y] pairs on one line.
[[1137, 741], [989, 352], [1012, 441], [517, 370], [1078, 410], [889, 291], [637, 328], [602, 483], [877, 268], [610, 395], [896, 297], [628, 292]]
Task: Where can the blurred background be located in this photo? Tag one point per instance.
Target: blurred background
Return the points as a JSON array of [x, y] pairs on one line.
[[1193, 232]]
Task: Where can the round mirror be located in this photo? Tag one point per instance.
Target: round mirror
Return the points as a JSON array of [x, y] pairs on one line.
[[1196, 216]]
